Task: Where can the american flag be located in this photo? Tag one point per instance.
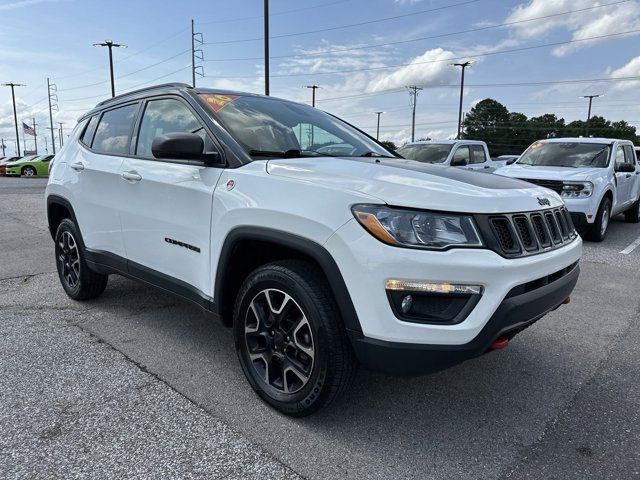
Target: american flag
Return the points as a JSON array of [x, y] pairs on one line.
[[28, 129]]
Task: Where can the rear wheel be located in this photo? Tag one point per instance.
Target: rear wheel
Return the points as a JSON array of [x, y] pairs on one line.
[[28, 171], [290, 339], [598, 231], [633, 214], [78, 281]]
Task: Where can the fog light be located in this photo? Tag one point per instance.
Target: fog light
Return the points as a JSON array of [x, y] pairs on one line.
[[406, 304], [428, 287]]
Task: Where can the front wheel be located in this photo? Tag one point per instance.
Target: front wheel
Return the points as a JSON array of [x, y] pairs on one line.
[[78, 281], [598, 231], [290, 339], [28, 171]]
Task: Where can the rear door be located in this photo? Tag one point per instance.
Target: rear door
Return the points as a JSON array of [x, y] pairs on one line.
[[94, 168], [166, 220], [634, 188]]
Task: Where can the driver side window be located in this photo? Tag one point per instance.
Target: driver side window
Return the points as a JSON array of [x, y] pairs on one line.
[[162, 116], [620, 156]]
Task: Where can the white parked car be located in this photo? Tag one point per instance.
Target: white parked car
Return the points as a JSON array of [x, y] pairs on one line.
[[318, 263], [596, 177], [469, 154]]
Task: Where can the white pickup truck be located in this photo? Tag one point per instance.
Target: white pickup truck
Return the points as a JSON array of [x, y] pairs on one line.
[[469, 154], [596, 177]]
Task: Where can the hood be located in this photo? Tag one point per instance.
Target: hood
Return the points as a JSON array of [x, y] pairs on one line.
[[550, 173], [407, 183]]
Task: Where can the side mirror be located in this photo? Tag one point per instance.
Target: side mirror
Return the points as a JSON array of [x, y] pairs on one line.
[[511, 161], [459, 162], [182, 146], [625, 167]]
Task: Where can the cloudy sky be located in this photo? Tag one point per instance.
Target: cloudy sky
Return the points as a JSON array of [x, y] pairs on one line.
[[534, 56]]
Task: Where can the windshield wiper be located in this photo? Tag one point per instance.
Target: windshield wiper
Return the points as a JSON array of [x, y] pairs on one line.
[[374, 154], [269, 153]]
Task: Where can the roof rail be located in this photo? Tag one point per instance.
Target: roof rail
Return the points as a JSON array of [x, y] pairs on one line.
[[153, 87]]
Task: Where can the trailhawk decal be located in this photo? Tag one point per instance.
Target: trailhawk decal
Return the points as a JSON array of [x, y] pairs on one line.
[[217, 101], [182, 244]]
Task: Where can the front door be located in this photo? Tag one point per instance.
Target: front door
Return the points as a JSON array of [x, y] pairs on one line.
[[624, 180], [166, 218]]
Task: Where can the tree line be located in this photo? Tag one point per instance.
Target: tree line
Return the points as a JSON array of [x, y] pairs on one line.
[[508, 132]]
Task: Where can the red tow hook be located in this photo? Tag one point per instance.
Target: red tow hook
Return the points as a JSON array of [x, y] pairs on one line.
[[500, 343], [566, 301]]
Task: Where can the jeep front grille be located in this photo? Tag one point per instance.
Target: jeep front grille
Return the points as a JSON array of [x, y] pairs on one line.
[[527, 233]]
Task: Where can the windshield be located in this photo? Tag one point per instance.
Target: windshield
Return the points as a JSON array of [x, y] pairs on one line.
[[427, 153], [268, 127], [566, 154]]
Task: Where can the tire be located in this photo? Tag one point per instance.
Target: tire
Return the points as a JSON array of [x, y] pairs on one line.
[[290, 338], [598, 231], [78, 281], [28, 171], [633, 214]]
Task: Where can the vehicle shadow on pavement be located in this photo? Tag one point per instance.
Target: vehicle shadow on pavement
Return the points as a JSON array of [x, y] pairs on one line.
[[488, 408]]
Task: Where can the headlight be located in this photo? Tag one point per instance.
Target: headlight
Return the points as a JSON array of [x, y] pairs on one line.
[[418, 229], [577, 189]]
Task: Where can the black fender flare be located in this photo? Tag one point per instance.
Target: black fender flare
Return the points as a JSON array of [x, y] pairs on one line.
[[304, 245], [58, 200]]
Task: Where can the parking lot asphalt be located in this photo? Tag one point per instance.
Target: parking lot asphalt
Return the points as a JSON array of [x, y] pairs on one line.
[[140, 383]]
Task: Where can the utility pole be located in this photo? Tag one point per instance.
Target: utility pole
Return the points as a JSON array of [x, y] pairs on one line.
[[109, 44], [378, 127], [2, 145], [413, 92], [52, 88], [463, 67], [313, 93], [590, 97], [15, 115], [60, 134], [196, 53], [35, 136], [46, 145], [266, 47]]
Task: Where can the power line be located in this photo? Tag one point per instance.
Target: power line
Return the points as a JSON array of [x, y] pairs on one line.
[[284, 12], [399, 42], [450, 59], [340, 27]]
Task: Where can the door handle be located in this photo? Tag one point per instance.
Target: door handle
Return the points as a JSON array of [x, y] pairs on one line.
[[487, 166], [78, 166], [628, 175], [131, 176]]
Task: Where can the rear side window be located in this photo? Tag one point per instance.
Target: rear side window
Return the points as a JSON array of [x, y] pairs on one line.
[[87, 136], [477, 154], [631, 158], [113, 134], [162, 116]]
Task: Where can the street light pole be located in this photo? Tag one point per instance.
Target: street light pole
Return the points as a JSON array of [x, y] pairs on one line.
[[109, 44], [313, 93], [590, 97], [378, 127], [413, 95], [266, 47], [463, 66], [15, 114]]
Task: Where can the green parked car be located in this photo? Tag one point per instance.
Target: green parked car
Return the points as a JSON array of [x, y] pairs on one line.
[[30, 166]]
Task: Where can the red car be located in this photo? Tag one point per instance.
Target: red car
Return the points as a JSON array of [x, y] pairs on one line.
[[3, 164]]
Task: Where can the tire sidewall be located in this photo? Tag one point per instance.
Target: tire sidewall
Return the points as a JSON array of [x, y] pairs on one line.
[[596, 232], [68, 226], [313, 391]]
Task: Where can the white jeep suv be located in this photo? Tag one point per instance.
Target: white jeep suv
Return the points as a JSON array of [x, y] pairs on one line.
[[596, 177], [318, 263]]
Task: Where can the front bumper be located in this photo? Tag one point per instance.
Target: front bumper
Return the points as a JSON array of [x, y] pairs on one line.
[[14, 171], [514, 314], [366, 264], [583, 211]]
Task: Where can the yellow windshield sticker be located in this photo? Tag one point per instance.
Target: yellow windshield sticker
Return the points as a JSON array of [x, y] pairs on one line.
[[218, 101]]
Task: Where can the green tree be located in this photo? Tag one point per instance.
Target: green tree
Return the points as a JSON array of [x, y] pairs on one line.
[[389, 145], [546, 126], [488, 120]]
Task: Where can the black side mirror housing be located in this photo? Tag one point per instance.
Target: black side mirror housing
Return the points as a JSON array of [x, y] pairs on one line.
[[182, 146], [512, 161], [625, 167], [459, 162]]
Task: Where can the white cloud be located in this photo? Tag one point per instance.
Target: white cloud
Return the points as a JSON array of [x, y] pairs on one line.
[[430, 68], [25, 3], [631, 69], [581, 25]]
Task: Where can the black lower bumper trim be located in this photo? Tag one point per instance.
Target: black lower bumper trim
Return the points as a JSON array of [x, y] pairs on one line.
[[579, 220], [512, 316]]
